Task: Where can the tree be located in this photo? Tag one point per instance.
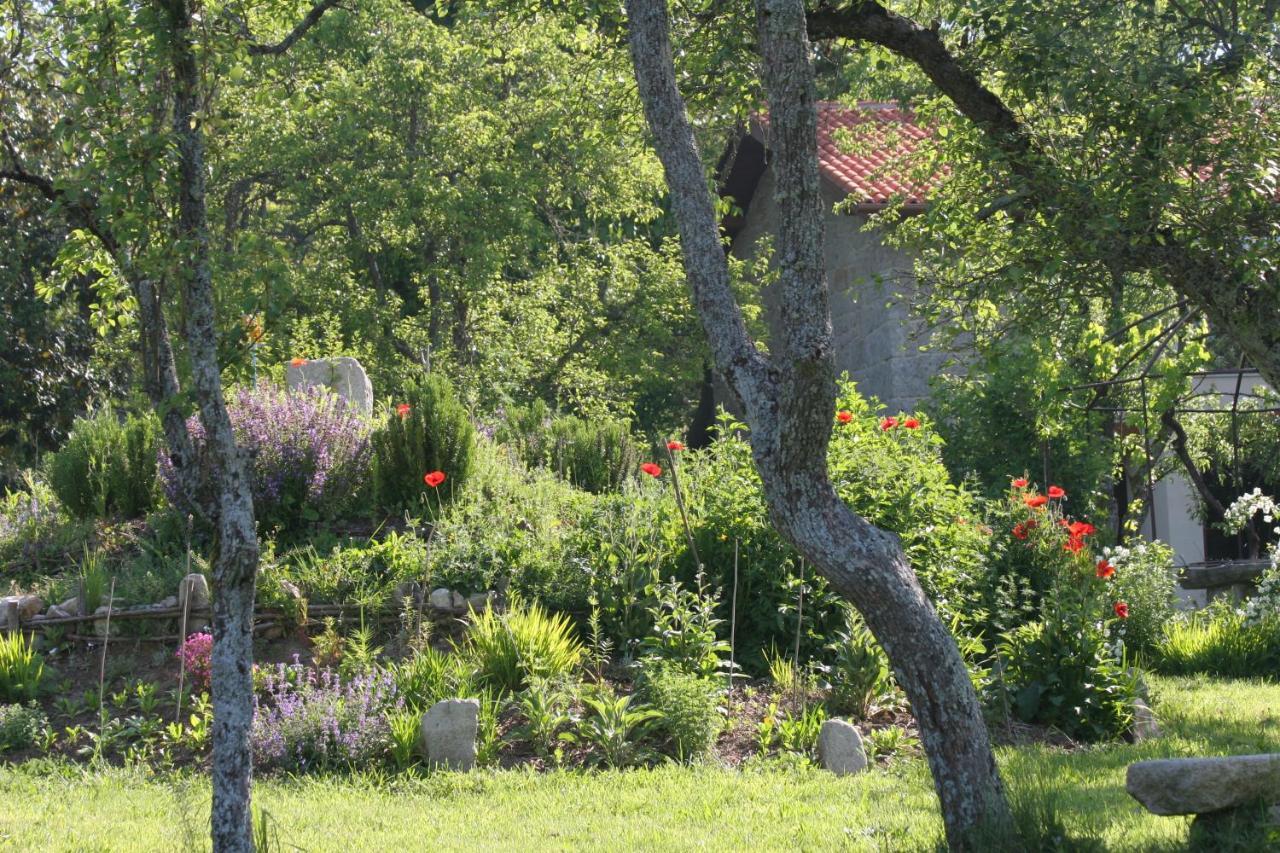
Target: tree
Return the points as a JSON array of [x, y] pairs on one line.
[[788, 398], [1125, 143]]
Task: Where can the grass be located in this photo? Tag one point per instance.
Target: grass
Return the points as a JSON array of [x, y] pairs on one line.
[[59, 807]]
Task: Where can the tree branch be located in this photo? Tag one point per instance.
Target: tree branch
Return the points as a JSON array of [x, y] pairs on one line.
[[311, 19], [744, 368]]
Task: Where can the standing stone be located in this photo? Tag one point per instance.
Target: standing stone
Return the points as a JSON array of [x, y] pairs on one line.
[[1171, 786], [1145, 725], [840, 748], [343, 376], [198, 586], [449, 734], [9, 620]]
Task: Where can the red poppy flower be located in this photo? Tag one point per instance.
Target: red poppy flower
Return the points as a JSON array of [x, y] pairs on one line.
[[1020, 483], [1074, 544], [433, 478], [1056, 492], [844, 416], [674, 445], [1122, 610], [651, 469], [403, 410], [911, 423], [888, 424], [1035, 501], [297, 362], [1080, 529], [1105, 569], [1020, 531]]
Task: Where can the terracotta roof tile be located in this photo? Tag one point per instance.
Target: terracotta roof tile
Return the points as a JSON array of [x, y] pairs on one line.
[[864, 151]]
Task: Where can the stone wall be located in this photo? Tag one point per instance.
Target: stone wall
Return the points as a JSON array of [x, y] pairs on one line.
[[876, 340]]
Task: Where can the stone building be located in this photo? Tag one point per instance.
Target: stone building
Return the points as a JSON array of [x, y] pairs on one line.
[[860, 158]]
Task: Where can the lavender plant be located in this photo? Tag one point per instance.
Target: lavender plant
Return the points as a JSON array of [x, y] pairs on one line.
[[310, 453], [304, 720]]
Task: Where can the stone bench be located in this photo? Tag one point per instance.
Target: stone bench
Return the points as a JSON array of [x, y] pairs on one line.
[[1206, 787]]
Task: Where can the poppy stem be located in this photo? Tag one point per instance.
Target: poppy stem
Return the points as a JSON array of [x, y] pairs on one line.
[[688, 530]]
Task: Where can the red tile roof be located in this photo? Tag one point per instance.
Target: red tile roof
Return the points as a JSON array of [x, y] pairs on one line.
[[864, 151]]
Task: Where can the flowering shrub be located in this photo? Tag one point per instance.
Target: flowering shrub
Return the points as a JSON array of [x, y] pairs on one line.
[[305, 720], [196, 655], [1142, 576], [429, 433], [310, 453]]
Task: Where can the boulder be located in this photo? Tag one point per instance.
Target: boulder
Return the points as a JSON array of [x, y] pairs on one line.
[[72, 607], [456, 601], [1145, 725], [101, 625], [1177, 786], [15, 609], [840, 748], [196, 586], [168, 603], [449, 734], [441, 599], [343, 376], [478, 601]]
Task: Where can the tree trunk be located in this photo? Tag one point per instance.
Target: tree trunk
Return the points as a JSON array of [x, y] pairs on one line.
[[236, 563], [789, 401]]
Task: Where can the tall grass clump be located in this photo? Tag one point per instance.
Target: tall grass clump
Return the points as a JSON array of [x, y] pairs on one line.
[[21, 668], [1220, 641], [429, 431], [107, 466], [526, 642]]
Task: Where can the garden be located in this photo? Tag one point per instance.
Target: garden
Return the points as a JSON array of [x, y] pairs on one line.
[[521, 425]]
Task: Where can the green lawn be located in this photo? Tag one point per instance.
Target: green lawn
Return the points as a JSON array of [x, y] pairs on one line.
[[62, 808]]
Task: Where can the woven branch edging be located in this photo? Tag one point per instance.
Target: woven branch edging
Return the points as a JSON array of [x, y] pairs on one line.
[[176, 612]]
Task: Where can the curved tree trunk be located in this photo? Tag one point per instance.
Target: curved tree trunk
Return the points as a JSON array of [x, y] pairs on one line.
[[789, 400], [235, 566]]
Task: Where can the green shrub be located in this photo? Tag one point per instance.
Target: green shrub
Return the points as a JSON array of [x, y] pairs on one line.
[[595, 455], [433, 434], [1220, 641], [107, 466], [613, 728], [691, 716], [364, 572], [859, 673], [1063, 675], [21, 668], [684, 629], [526, 642], [1146, 580], [21, 726]]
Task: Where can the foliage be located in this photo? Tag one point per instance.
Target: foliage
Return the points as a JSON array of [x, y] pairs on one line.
[[1220, 641], [596, 455], [892, 477], [525, 642], [859, 670], [196, 655], [1064, 675], [791, 730], [891, 742], [363, 572], [684, 628], [544, 705], [690, 704], [434, 434], [430, 675], [1145, 579], [21, 726], [305, 721], [21, 668], [613, 728], [107, 466], [310, 454]]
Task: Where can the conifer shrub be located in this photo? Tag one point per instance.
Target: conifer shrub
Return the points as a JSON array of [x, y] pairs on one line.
[[107, 466], [424, 448]]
